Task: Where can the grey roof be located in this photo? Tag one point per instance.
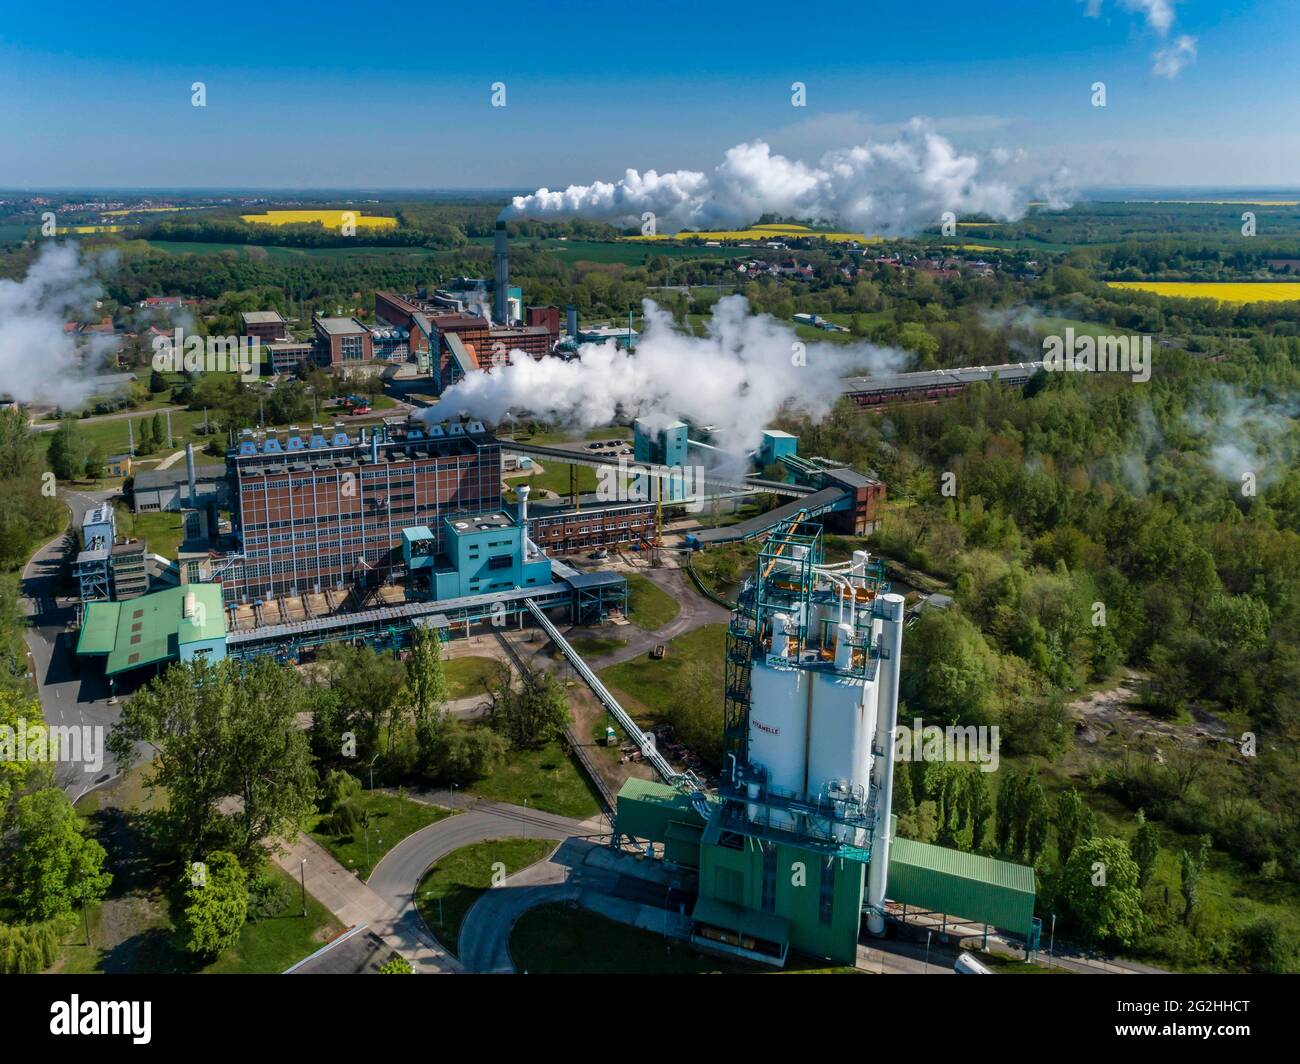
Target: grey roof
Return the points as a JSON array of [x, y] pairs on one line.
[[341, 326], [176, 474], [850, 478], [262, 317], [587, 581], [934, 378]]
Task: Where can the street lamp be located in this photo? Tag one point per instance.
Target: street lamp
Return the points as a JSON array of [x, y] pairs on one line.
[[1051, 943], [928, 935], [372, 771], [302, 878]]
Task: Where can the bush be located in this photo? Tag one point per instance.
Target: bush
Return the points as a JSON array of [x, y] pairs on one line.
[[337, 788], [26, 949], [346, 819], [1266, 949], [268, 896]]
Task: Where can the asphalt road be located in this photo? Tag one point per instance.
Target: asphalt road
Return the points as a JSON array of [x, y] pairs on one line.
[[71, 695]]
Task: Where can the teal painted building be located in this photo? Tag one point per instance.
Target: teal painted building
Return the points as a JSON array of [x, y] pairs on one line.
[[481, 553]]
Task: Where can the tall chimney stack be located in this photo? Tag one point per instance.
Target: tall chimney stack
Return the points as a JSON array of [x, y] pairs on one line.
[[571, 319], [191, 475], [501, 284]]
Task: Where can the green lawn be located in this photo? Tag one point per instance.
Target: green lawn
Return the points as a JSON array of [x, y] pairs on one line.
[[268, 946], [548, 779], [556, 939], [113, 437], [468, 676], [648, 605], [649, 683], [1003, 965], [556, 478], [391, 820], [132, 929], [592, 646], [161, 530], [277, 942], [451, 886]]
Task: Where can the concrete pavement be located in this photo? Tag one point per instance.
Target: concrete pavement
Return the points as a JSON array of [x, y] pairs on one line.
[[68, 696], [354, 904]]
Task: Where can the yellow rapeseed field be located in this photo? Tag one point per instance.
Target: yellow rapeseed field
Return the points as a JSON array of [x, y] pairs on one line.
[[329, 219], [1246, 292]]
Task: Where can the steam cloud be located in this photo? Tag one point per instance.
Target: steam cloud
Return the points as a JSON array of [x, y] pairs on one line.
[[736, 378], [894, 188], [38, 360]]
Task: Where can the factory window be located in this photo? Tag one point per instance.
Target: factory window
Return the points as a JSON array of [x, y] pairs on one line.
[[826, 903], [501, 561], [769, 878]]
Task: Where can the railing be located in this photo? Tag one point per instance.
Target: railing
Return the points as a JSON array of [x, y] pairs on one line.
[[643, 742]]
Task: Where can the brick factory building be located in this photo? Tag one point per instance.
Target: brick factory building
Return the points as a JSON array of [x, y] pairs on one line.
[[547, 318], [266, 325], [558, 528], [342, 342], [328, 509]]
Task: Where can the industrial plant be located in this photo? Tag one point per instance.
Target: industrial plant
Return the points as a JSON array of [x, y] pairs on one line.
[[796, 847], [306, 537]]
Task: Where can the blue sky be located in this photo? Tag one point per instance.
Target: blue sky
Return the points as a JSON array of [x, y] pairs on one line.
[[350, 96]]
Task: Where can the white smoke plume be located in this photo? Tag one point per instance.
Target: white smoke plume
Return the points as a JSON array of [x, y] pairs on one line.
[[737, 377], [878, 188], [39, 362], [1246, 434]]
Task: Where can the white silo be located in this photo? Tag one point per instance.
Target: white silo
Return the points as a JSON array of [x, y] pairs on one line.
[[891, 641], [841, 724]]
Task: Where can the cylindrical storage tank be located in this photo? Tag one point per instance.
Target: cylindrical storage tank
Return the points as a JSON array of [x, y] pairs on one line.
[[780, 640], [843, 647], [839, 743], [778, 728], [860, 559]]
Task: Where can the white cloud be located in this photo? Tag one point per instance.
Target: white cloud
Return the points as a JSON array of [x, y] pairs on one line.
[[1160, 16], [1159, 13], [1169, 61]]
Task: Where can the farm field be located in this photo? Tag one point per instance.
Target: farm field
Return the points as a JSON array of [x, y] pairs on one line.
[[622, 251], [1224, 292], [329, 219], [199, 247]]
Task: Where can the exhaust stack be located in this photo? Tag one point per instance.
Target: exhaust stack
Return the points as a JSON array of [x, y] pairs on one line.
[[501, 284], [191, 475]]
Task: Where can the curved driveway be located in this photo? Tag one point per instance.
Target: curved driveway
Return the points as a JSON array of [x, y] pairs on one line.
[[398, 874]]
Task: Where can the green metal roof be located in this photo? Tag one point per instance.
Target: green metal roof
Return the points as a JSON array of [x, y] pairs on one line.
[[718, 913], [151, 628], [657, 793], [98, 628], [965, 885]]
